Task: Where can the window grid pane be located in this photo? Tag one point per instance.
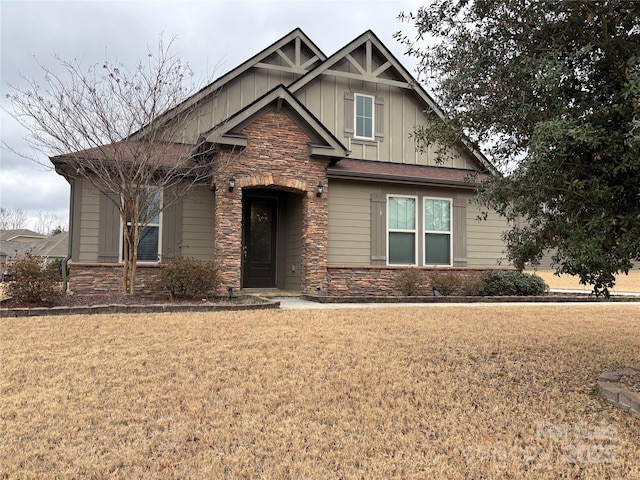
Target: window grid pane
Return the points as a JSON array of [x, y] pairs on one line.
[[437, 215], [364, 116], [402, 213]]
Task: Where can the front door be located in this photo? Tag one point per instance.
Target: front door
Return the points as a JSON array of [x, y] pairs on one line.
[[259, 242]]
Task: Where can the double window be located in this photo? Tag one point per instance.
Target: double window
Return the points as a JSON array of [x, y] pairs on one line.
[[403, 225], [150, 218]]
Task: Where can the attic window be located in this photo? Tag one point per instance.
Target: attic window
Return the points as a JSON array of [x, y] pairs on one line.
[[364, 116]]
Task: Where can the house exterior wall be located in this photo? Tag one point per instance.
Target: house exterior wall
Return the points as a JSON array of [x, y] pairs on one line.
[[198, 240], [352, 233], [325, 98], [293, 249], [277, 157]]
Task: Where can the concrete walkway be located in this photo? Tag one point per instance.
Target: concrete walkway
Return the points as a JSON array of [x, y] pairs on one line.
[[297, 303]]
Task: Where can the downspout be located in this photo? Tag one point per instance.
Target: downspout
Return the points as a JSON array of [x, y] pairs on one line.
[[72, 184]]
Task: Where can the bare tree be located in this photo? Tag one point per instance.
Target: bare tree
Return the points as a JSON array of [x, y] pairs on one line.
[[101, 124], [12, 219], [47, 222]]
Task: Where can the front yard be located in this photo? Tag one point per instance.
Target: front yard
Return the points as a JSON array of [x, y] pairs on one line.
[[459, 392]]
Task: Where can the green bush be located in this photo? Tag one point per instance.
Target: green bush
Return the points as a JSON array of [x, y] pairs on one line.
[[34, 281], [447, 283], [409, 281], [512, 283], [186, 277]]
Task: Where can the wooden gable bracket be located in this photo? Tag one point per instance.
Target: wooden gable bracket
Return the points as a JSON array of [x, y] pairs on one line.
[[365, 72]]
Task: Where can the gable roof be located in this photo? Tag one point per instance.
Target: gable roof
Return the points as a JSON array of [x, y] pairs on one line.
[[228, 132], [55, 246], [297, 36], [369, 41]]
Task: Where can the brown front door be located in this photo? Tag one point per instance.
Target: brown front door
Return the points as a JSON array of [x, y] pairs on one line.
[[259, 242]]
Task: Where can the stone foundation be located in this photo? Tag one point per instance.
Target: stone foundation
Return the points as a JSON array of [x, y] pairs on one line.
[[106, 278], [379, 281]]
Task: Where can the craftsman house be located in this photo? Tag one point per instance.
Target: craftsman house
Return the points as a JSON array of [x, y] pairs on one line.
[[316, 186]]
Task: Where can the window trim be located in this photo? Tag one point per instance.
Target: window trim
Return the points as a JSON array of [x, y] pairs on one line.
[[158, 225], [414, 231], [438, 232], [372, 138]]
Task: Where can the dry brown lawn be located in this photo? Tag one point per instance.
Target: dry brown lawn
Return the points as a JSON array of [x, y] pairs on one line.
[[436, 392], [624, 283]]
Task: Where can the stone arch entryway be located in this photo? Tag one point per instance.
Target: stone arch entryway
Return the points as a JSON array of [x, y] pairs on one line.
[[271, 238]]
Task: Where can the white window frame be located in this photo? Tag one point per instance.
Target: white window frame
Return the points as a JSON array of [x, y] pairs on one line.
[[439, 232], [355, 116], [415, 229], [158, 225]]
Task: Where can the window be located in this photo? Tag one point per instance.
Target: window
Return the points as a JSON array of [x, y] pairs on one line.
[[364, 116], [437, 231], [149, 244], [401, 230]]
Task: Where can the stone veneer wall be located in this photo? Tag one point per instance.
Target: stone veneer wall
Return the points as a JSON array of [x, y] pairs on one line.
[[106, 278], [379, 281], [277, 157]]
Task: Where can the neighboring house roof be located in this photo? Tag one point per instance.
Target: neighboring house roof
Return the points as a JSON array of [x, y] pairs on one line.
[[402, 173], [15, 249], [20, 234], [325, 143], [55, 246]]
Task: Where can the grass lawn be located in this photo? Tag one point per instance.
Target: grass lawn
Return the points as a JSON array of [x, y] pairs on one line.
[[624, 283], [459, 393]]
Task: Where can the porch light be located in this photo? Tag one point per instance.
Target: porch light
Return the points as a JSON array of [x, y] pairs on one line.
[[232, 184], [319, 190]]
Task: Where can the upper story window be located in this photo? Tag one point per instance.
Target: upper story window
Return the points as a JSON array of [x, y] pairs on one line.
[[364, 116]]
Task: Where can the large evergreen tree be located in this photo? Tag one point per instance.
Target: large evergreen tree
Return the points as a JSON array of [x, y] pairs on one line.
[[551, 90]]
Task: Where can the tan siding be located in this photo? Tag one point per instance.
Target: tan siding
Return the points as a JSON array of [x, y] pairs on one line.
[[293, 253], [89, 224], [198, 224], [349, 223], [485, 247]]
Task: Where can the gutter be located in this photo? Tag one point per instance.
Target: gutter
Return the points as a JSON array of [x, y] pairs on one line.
[[65, 261], [399, 179]]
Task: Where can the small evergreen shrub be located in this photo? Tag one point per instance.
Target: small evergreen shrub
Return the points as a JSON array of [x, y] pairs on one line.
[[409, 281], [186, 277], [512, 283], [34, 281], [447, 283]]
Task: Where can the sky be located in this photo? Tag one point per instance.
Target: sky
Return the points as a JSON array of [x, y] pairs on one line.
[[213, 36]]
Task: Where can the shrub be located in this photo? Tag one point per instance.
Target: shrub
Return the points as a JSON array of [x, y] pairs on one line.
[[512, 283], [409, 281], [447, 283], [33, 281], [186, 277]]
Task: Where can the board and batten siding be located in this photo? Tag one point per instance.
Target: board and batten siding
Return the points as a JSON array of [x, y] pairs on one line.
[[198, 235], [232, 97], [401, 112]]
